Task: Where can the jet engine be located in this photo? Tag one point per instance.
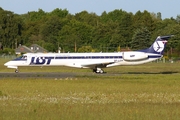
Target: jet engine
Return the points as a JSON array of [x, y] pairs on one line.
[[134, 56]]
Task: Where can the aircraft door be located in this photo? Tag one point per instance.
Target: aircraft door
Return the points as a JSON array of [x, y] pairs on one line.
[[28, 59]]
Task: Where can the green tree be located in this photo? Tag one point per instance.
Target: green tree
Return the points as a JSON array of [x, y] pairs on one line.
[[50, 30], [75, 34], [119, 28], [159, 17], [86, 49], [126, 29], [141, 39], [89, 18], [31, 32], [101, 37], [34, 15], [144, 19], [10, 28], [59, 12]]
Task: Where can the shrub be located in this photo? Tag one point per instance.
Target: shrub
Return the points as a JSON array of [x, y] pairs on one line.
[[7, 51]]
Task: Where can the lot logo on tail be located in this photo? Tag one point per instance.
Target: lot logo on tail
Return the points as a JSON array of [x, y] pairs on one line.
[[159, 46]]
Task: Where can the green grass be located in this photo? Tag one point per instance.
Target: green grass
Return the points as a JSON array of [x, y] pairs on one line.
[[145, 92]]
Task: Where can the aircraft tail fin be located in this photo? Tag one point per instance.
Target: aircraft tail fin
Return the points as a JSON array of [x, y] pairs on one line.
[[158, 46]]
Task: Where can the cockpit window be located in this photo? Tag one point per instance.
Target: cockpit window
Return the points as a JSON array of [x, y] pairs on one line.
[[20, 57], [24, 57]]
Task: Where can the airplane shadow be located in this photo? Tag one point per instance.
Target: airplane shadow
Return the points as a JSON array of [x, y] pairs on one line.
[[164, 72]]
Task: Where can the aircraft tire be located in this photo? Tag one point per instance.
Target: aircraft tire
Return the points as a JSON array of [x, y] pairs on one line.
[[16, 71]]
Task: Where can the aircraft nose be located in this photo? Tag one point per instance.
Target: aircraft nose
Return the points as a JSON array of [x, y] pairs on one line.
[[6, 64]]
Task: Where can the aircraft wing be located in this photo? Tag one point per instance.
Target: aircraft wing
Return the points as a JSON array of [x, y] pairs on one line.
[[96, 65]]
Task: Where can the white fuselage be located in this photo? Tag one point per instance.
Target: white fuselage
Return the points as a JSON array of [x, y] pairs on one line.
[[83, 60], [94, 61]]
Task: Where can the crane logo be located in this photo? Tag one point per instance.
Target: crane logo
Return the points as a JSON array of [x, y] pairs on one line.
[[159, 46]]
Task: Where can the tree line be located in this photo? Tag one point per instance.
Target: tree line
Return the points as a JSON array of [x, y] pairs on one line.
[[88, 32]]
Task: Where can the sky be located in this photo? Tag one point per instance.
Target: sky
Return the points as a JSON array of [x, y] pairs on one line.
[[167, 8]]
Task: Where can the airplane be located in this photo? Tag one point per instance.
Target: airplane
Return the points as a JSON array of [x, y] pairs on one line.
[[94, 61]]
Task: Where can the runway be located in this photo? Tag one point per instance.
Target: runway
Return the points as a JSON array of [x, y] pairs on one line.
[[37, 75]]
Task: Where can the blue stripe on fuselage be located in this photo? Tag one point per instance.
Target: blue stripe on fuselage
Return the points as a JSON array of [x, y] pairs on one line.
[[100, 57], [88, 57], [154, 56], [85, 57]]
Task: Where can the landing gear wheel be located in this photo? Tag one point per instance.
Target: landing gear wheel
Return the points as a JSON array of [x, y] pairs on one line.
[[94, 70], [16, 71], [101, 71], [98, 70]]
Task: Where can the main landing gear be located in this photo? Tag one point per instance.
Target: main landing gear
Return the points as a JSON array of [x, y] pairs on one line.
[[98, 70], [16, 71]]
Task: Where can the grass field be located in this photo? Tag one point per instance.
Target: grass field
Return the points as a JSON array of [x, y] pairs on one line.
[[144, 92]]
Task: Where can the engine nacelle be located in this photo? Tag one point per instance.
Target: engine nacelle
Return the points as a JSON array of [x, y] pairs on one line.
[[134, 56]]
